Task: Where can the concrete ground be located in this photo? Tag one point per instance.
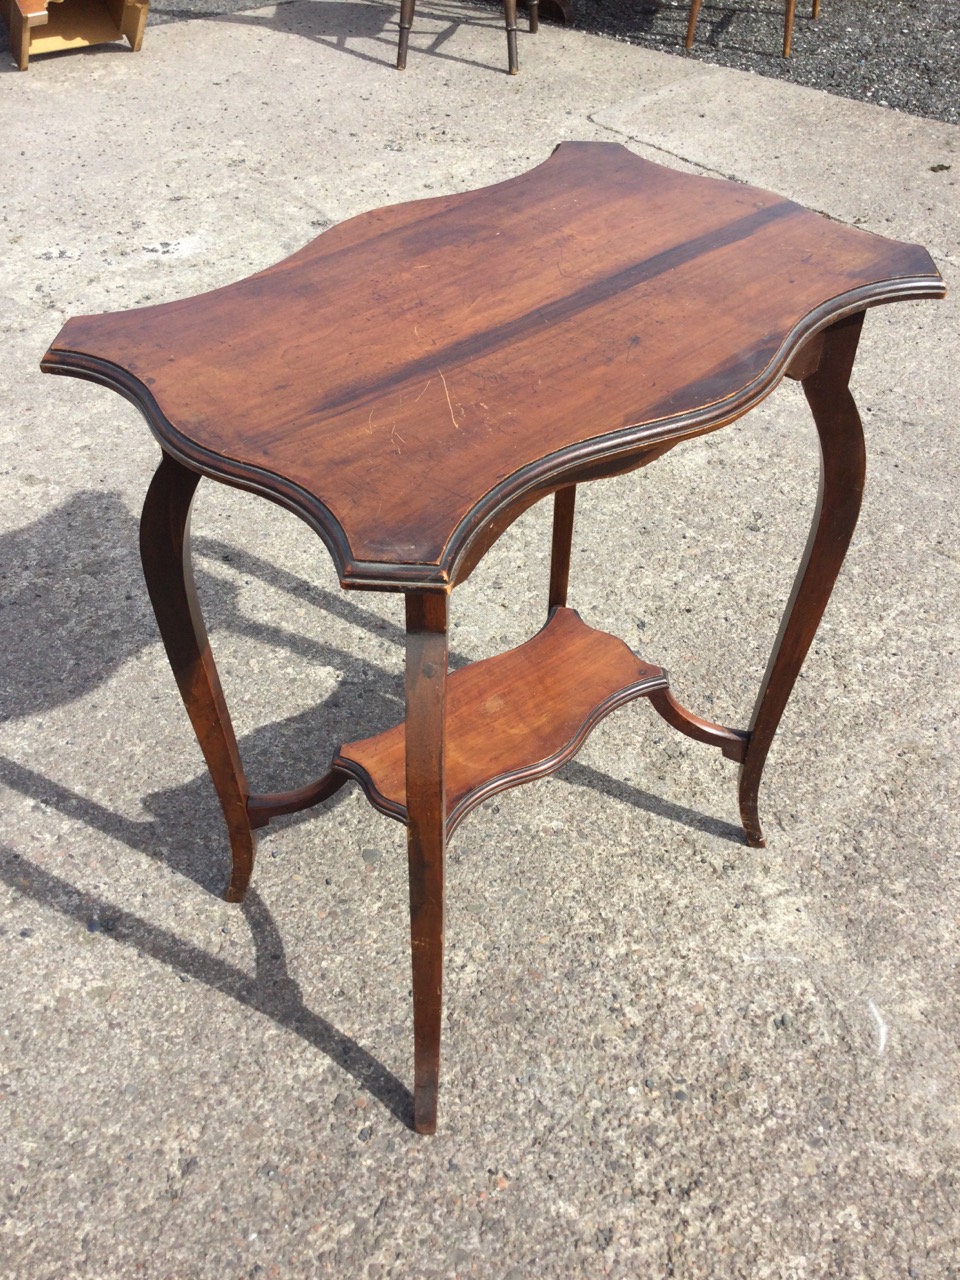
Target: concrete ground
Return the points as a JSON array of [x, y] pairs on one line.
[[664, 1054]]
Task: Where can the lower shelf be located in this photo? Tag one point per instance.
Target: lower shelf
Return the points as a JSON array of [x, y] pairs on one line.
[[512, 718]]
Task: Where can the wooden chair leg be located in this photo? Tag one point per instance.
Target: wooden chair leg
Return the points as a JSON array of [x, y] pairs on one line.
[[692, 23], [426, 679], [564, 501], [406, 22], [165, 553], [788, 27], [510, 20], [842, 471], [815, 9]]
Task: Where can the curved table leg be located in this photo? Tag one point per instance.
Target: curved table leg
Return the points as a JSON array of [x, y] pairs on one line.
[[842, 468], [426, 679], [165, 553]]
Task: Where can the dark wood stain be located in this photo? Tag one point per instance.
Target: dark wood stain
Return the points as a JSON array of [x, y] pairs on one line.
[[403, 366], [511, 718], [577, 322]]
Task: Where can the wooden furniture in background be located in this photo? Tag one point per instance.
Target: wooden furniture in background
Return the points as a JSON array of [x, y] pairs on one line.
[[787, 23], [510, 21], [44, 26], [415, 378]]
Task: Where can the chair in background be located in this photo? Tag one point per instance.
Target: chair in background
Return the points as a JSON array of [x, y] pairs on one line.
[[787, 25], [510, 20]]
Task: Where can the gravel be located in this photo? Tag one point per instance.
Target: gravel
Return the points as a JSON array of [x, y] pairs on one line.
[[896, 53]]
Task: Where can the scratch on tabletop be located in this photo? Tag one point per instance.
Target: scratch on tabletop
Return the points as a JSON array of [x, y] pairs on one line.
[[425, 385], [453, 417], [395, 436]]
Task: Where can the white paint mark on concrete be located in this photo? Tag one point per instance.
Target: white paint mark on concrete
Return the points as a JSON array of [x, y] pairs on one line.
[[771, 957], [881, 1026]]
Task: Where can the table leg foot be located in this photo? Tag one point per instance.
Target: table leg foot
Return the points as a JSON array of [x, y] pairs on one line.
[[750, 820], [165, 553], [426, 678], [243, 849], [842, 472]]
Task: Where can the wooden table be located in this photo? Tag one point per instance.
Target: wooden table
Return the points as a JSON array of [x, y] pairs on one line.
[[415, 378]]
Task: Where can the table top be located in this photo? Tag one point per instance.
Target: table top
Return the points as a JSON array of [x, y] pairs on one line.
[[414, 378]]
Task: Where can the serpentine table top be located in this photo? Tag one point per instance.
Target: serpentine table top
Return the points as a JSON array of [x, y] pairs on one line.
[[416, 376]]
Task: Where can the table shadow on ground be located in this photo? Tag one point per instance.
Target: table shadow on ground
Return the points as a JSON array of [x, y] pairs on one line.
[[269, 990], [74, 610]]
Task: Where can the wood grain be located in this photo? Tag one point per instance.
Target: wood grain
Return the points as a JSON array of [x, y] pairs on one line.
[[511, 718], [167, 568], [414, 379], [419, 374], [424, 772], [842, 476]]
